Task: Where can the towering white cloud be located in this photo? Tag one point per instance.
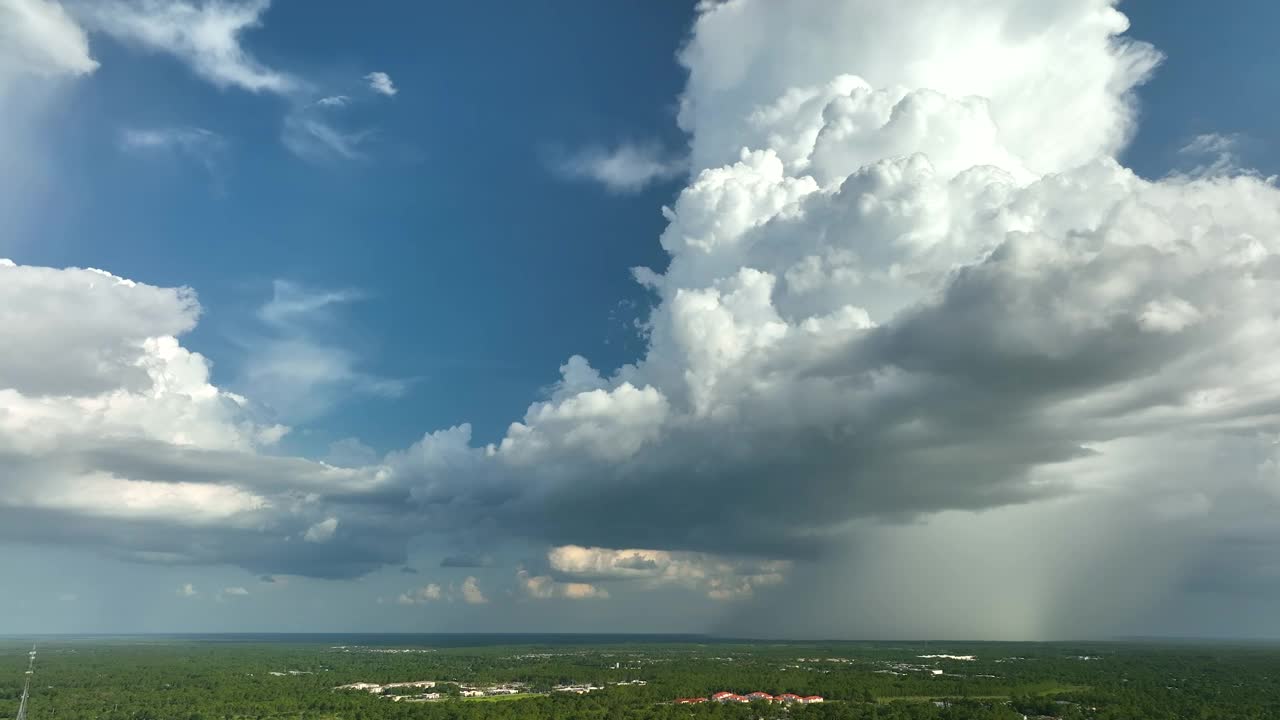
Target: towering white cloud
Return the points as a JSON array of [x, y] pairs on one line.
[[907, 279]]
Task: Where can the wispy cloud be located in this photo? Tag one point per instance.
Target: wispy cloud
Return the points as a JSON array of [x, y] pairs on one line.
[[206, 36], [291, 304], [380, 82], [199, 145], [333, 101], [188, 591], [317, 140], [626, 168], [297, 369], [1213, 153]]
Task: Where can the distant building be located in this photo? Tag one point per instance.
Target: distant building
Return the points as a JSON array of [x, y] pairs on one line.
[[788, 698], [690, 701], [760, 696], [811, 699]]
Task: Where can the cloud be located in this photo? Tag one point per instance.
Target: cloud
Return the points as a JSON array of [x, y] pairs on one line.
[[40, 38], [422, 595], [204, 147], [720, 578], [43, 53], [85, 331], [322, 531], [543, 587], [626, 168], [113, 437], [291, 304], [299, 371], [901, 293], [235, 591], [1213, 153], [333, 101], [188, 591], [206, 36], [320, 141], [1209, 143], [471, 593], [380, 83]]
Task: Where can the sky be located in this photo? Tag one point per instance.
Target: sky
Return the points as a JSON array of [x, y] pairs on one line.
[[833, 318]]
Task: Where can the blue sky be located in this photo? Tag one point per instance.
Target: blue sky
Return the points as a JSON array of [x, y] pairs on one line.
[[803, 396]]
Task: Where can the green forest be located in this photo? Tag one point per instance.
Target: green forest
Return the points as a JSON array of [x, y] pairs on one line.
[[154, 678]]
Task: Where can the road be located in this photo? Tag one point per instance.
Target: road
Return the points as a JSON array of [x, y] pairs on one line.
[[26, 686]]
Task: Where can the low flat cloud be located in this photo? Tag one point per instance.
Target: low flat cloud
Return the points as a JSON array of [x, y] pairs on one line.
[[425, 594], [544, 587]]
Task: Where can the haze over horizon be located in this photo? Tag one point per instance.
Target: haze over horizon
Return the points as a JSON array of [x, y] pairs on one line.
[[825, 319]]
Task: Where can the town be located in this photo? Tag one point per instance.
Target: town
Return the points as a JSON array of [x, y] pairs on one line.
[[757, 696]]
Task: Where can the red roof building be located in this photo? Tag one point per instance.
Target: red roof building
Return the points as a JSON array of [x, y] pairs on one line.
[[721, 696], [690, 701], [788, 698], [811, 699], [757, 695]]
